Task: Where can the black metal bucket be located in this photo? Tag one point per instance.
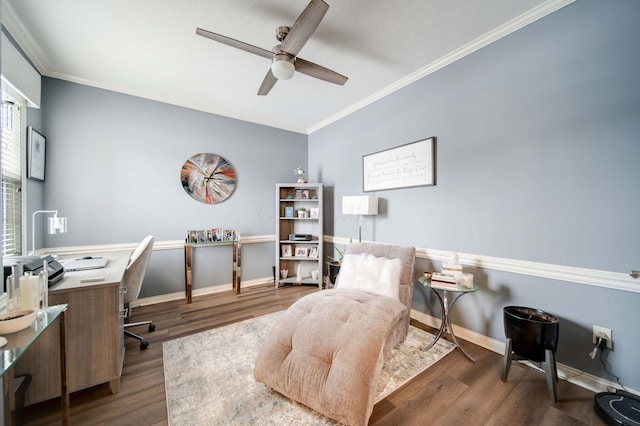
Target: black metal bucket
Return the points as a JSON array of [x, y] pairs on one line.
[[531, 332]]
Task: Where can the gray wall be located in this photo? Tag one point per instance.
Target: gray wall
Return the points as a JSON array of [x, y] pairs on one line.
[[113, 168], [537, 160]]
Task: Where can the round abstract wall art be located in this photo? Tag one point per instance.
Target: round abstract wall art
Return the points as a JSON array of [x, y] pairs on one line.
[[208, 178]]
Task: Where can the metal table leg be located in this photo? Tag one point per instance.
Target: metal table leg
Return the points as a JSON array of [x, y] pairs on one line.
[[445, 324]]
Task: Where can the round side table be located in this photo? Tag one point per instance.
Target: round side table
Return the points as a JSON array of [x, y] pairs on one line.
[[447, 300]]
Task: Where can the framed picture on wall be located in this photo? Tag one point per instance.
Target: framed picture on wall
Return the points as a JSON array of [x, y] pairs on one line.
[[405, 166], [37, 148]]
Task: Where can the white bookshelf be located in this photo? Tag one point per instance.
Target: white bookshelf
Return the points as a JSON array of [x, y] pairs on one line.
[[290, 229]]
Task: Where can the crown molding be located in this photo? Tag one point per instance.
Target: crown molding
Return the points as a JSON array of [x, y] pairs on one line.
[[504, 30], [16, 29]]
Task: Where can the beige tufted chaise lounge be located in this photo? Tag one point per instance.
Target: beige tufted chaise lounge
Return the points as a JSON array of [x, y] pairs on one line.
[[327, 350]]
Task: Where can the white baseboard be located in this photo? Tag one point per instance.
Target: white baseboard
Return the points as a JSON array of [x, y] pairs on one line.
[[198, 292], [572, 375]]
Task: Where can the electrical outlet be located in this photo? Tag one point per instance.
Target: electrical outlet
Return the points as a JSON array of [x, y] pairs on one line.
[[602, 332]]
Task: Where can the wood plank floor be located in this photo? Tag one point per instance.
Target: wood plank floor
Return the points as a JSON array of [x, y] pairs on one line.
[[454, 391]]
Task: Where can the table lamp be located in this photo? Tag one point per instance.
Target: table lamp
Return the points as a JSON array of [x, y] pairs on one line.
[[360, 205], [55, 225]]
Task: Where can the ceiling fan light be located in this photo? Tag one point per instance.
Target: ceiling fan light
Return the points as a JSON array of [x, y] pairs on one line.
[[282, 69]]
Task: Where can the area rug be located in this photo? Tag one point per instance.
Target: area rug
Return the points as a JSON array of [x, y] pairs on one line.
[[209, 376]]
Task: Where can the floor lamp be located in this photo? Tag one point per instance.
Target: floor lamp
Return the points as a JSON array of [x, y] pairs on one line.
[[55, 225], [360, 205]]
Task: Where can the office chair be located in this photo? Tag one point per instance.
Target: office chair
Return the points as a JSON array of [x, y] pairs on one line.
[[133, 277]]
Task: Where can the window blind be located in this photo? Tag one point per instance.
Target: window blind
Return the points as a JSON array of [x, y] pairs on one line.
[[11, 155]]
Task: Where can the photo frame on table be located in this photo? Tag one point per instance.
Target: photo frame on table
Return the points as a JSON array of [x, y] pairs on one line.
[[301, 194], [405, 166], [37, 144], [313, 252], [286, 250], [302, 251]]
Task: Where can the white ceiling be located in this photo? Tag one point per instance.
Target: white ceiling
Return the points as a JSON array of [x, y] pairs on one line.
[[148, 48]]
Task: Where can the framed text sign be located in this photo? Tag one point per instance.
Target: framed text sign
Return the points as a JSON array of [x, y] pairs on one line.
[[404, 166]]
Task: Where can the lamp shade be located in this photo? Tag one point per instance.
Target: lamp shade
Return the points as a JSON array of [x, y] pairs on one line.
[[57, 225], [360, 204]]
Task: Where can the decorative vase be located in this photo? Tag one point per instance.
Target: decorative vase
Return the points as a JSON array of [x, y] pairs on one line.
[[334, 269]]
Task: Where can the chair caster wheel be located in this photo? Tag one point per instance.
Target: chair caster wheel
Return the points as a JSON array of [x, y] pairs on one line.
[[144, 345], [152, 327]]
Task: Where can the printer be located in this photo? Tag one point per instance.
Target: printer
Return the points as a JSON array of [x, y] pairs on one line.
[[35, 265]]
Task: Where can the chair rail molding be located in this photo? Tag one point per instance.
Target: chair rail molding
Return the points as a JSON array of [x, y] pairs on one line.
[[594, 277], [607, 279], [158, 245]]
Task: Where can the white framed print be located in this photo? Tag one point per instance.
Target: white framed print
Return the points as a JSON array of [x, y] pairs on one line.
[[37, 149], [405, 166], [286, 250], [313, 252]]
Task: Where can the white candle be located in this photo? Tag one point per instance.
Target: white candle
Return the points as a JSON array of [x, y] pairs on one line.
[[467, 280], [29, 291]]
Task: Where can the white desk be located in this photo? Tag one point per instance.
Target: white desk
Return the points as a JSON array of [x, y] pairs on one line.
[[95, 337]]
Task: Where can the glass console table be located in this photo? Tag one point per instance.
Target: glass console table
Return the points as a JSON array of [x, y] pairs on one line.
[[237, 264], [449, 297], [18, 344]]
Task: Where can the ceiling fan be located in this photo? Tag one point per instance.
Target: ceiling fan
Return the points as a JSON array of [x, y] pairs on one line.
[[284, 56]]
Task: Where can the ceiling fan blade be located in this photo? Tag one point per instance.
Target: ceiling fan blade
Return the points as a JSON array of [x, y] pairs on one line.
[[268, 82], [318, 71], [235, 43], [304, 26]]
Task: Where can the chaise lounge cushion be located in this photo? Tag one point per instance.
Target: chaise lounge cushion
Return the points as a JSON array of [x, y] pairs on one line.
[[327, 351]]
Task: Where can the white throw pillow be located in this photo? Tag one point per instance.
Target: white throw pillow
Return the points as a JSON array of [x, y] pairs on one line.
[[366, 272]]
